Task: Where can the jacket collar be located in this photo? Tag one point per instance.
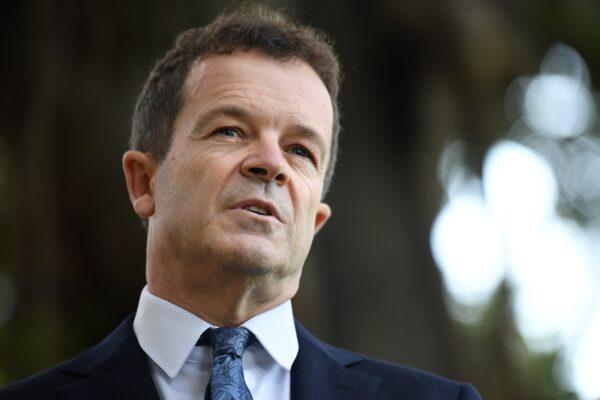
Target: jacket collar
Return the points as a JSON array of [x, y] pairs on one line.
[[322, 372]]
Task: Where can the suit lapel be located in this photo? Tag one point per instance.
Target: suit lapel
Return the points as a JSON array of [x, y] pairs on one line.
[[115, 369], [322, 372]]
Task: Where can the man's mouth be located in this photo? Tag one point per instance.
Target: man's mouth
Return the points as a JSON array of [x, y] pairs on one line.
[[259, 207], [257, 210]]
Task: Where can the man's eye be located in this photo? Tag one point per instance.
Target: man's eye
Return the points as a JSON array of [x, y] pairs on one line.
[[230, 132], [301, 151]]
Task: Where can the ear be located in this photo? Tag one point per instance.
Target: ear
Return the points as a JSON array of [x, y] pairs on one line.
[[140, 169], [323, 214]]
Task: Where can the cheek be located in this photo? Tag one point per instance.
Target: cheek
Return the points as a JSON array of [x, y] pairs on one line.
[[306, 219], [177, 188], [304, 236], [203, 183], [306, 194]]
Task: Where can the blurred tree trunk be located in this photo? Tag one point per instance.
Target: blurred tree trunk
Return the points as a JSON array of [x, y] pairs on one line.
[[32, 84], [383, 288]]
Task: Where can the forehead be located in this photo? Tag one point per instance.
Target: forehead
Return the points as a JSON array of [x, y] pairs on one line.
[[278, 92]]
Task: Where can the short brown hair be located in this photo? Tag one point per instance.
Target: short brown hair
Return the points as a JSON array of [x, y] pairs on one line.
[[245, 28]]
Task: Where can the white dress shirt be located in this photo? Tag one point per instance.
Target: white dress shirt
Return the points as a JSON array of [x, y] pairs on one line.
[[168, 334]]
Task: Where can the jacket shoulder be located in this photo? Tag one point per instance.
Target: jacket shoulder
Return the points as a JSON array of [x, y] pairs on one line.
[[410, 382], [417, 383], [396, 381], [39, 386]]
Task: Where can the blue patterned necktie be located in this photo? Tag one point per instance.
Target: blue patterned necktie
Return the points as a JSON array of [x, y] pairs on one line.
[[227, 375]]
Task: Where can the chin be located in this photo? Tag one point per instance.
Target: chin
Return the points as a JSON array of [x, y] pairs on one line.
[[254, 258]]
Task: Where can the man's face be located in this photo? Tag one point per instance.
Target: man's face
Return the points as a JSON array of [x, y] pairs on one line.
[[242, 182]]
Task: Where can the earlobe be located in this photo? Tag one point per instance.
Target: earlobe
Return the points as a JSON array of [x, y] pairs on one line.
[[323, 214], [139, 169], [144, 206]]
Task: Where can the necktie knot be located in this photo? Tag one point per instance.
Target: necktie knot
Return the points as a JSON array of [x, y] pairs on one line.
[[232, 341], [227, 373]]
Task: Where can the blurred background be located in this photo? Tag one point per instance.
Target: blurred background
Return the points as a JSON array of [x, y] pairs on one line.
[[466, 203]]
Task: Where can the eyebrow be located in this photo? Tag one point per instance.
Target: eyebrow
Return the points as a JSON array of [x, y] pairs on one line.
[[240, 113], [231, 111]]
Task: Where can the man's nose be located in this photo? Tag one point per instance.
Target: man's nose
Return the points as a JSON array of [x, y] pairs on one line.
[[266, 162]]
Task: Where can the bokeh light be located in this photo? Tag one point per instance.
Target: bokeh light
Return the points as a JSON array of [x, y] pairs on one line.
[[582, 365], [468, 245], [553, 283], [558, 105], [520, 187], [532, 219], [557, 102]]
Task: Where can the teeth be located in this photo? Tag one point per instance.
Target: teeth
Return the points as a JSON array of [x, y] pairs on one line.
[[256, 209]]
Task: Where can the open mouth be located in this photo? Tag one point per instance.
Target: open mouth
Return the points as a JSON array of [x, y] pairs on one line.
[[257, 210], [259, 207]]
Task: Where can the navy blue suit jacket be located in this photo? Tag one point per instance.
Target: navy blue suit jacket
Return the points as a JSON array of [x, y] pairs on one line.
[[117, 368]]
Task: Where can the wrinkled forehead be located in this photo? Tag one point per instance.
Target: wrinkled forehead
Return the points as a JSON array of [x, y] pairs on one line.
[[289, 86]]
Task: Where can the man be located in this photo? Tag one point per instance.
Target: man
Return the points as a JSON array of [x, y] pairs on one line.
[[233, 146]]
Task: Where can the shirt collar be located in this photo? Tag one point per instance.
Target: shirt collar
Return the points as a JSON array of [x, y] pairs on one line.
[[276, 332], [167, 333]]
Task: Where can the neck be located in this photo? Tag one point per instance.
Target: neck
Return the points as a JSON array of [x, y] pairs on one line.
[[220, 296]]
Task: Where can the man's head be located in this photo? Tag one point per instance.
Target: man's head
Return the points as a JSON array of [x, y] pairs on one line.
[[247, 28], [234, 140]]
